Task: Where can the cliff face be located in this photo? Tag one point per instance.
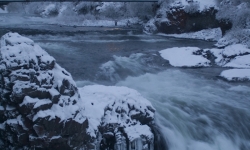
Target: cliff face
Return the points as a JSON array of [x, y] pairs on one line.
[[38, 99], [187, 16], [41, 107], [180, 21]]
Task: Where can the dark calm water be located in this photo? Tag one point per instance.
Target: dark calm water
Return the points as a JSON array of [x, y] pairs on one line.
[[195, 109]]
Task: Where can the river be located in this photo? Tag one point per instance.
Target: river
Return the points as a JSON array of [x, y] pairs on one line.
[[195, 109]]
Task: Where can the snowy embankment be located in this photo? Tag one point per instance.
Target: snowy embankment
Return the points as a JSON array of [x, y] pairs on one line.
[[206, 34], [111, 23], [234, 56]]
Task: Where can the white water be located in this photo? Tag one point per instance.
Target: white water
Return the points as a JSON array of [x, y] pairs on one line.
[[195, 110], [195, 113]]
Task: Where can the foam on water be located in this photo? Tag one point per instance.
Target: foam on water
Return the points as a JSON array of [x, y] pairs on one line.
[[195, 113]]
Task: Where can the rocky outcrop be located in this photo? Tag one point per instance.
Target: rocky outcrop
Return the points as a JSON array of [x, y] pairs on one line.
[[41, 107], [39, 100], [185, 17]]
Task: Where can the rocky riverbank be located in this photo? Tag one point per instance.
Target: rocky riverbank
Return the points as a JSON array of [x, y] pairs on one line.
[[41, 107]]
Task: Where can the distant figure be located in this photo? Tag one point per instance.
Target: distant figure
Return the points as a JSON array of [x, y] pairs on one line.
[[115, 22], [128, 23]]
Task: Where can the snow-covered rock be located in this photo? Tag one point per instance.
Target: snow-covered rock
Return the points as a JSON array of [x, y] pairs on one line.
[[201, 4], [237, 56], [120, 113], [182, 16], [40, 105], [186, 57], [236, 74], [39, 99]]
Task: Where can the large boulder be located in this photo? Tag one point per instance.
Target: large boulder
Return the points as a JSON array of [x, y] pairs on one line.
[[38, 100]]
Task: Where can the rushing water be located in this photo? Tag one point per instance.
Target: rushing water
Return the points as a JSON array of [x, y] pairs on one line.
[[195, 109]]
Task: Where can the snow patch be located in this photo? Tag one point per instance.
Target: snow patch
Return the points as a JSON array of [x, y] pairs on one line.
[[206, 34], [184, 57], [203, 4], [236, 74], [239, 62]]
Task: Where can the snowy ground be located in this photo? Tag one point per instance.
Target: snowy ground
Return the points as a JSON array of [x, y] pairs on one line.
[[110, 23], [206, 34]]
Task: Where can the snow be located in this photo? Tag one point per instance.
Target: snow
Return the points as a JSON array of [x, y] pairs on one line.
[[18, 51], [28, 100], [235, 49], [106, 101], [2, 126], [42, 102], [206, 34], [236, 74], [184, 57], [60, 74], [150, 26], [137, 130], [237, 56], [203, 4], [14, 39], [63, 111], [53, 92], [48, 9], [239, 62], [55, 137], [110, 23]]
